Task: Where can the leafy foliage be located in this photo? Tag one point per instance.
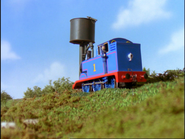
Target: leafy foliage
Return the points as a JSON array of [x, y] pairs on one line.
[[151, 111], [147, 71], [62, 84], [5, 95], [168, 75], [58, 86]]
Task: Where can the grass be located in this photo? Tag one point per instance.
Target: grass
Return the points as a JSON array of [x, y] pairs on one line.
[[152, 110]]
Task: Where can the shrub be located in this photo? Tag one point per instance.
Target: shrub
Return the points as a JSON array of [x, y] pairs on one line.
[[62, 84], [59, 86], [48, 88], [168, 75], [147, 71], [5, 97], [29, 93]]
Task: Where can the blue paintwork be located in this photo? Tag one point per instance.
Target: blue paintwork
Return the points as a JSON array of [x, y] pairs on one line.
[[109, 83], [123, 51], [85, 88], [96, 87], [104, 58], [88, 67], [112, 46], [112, 62], [116, 60], [101, 69]]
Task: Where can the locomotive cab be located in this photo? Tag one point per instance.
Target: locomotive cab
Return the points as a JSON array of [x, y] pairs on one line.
[[102, 49]]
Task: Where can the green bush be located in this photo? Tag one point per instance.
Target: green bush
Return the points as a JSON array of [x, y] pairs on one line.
[[147, 71], [29, 93], [151, 111], [48, 88], [62, 84], [168, 75], [5, 97], [59, 86]]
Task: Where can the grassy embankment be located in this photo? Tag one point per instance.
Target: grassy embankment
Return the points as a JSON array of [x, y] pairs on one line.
[[153, 110]]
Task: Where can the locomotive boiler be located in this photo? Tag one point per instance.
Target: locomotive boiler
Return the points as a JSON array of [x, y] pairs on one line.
[[117, 63]]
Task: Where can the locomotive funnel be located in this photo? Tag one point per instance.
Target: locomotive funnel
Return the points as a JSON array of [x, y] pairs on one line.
[[82, 32]]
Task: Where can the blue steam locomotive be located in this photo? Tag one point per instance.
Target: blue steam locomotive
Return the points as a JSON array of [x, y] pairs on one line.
[[117, 63]]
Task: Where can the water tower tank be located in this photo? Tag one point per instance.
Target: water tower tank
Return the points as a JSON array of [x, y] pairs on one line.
[[82, 30]]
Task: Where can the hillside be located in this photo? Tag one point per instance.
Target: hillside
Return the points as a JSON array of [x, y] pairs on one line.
[[152, 110]]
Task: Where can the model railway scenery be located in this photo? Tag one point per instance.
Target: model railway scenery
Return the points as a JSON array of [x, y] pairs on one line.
[[155, 109], [117, 62], [114, 97]]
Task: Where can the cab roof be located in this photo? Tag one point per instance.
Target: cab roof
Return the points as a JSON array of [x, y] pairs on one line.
[[119, 40]]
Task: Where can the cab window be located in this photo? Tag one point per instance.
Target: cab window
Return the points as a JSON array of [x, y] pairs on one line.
[[105, 47]]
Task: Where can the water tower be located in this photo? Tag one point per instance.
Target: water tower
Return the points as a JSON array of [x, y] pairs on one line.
[[82, 32]]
